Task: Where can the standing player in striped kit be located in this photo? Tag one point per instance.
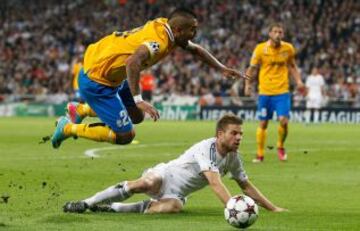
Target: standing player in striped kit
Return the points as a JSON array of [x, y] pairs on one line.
[[274, 60]]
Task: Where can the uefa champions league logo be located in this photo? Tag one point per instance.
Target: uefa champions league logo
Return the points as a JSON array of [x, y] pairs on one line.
[[155, 47]]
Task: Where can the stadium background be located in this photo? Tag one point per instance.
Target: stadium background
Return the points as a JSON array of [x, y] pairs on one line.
[[39, 41]]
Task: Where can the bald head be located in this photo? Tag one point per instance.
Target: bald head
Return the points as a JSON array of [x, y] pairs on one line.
[[183, 24], [182, 18], [182, 12]]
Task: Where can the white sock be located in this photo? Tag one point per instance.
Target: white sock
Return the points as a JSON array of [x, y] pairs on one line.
[[137, 207], [118, 192], [316, 116], [308, 116]]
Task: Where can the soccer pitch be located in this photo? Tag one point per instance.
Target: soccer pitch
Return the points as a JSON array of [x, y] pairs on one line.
[[320, 184]]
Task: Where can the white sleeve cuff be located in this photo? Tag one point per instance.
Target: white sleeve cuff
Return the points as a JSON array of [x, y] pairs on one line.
[[138, 99]]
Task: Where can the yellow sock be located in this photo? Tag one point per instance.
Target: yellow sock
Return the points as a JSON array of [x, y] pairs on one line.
[[91, 131], [83, 109], [260, 140], [282, 133]]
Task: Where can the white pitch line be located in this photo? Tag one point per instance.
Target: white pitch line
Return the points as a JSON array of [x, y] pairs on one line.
[[92, 152]]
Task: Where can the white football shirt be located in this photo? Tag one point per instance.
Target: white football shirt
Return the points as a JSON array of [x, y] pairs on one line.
[[314, 83], [187, 169]]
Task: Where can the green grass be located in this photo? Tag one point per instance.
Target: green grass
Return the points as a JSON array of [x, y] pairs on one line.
[[320, 184]]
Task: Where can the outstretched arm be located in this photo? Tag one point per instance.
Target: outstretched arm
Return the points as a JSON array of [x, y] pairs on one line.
[[208, 58], [251, 72], [250, 190], [217, 186], [294, 72], [133, 69]]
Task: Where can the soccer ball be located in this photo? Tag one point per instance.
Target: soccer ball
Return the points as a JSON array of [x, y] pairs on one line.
[[241, 211]]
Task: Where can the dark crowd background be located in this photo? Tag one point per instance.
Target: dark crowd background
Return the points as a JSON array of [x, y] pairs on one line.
[[39, 41]]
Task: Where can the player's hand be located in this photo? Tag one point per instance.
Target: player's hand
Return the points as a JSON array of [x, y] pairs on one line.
[[301, 88], [149, 109], [279, 210], [247, 90], [234, 74]]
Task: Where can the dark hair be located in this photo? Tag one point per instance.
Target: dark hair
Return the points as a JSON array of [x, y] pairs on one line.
[[275, 24], [227, 119], [183, 11]]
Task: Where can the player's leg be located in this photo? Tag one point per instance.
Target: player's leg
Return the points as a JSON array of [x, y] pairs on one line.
[[77, 95], [77, 111], [136, 115], [116, 128], [157, 184], [282, 107], [103, 200], [118, 207], [310, 112], [282, 134], [165, 205], [118, 192], [316, 115], [265, 113], [150, 183], [261, 133], [316, 112]]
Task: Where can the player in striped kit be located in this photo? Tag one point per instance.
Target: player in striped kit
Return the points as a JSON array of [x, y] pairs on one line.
[[273, 60], [109, 79]]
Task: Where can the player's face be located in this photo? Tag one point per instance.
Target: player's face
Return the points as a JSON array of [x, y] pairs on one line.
[[187, 33], [314, 71], [276, 35], [232, 136]]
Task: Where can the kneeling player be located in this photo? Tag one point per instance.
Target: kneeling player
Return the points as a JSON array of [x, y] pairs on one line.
[[168, 184]]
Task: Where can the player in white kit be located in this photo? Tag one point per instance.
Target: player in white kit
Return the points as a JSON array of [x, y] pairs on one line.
[[315, 94], [168, 184]]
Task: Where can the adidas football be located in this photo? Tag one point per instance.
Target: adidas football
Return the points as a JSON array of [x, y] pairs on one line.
[[241, 211]]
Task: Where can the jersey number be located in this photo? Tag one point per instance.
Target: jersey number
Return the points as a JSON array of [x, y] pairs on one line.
[[124, 119], [127, 33]]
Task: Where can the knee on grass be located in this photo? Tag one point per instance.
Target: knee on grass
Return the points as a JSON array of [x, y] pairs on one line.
[[137, 116], [150, 184], [165, 206], [124, 138]]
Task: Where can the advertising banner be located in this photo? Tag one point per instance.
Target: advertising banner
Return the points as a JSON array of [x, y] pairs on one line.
[[32, 109], [177, 112], [325, 115]]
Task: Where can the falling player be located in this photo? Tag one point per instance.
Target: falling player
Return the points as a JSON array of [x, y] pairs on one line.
[[168, 184], [109, 79]]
